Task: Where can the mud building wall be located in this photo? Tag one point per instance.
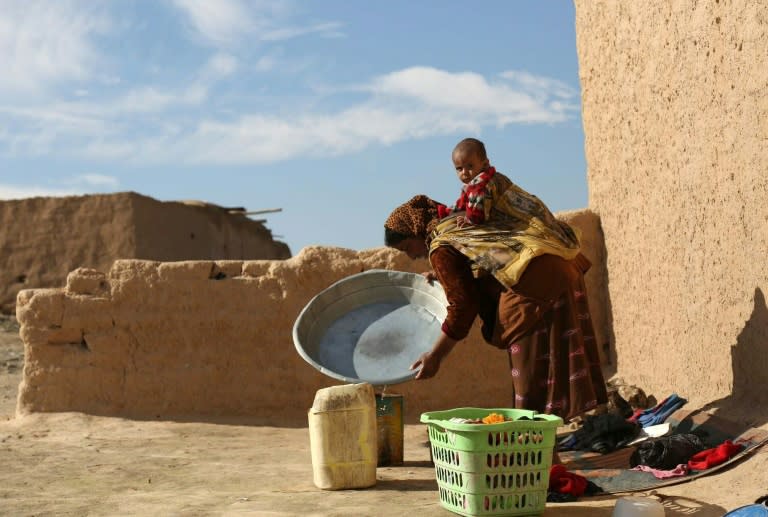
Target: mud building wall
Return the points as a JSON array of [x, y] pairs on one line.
[[43, 239], [206, 339], [675, 113]]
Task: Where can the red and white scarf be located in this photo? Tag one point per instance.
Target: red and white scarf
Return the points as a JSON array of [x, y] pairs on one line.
[[471, 198]]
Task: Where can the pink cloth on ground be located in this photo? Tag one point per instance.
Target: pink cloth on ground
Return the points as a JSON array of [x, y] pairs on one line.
[[680, 470]]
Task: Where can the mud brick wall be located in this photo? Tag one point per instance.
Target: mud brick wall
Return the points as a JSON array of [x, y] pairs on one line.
[[44, 238], [206, 339], [675, 114]]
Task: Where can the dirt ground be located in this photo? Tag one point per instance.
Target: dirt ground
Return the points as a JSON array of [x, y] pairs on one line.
[[75, 464]]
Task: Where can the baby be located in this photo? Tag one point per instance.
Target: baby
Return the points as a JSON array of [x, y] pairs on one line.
[[491, 198], [475, 171]]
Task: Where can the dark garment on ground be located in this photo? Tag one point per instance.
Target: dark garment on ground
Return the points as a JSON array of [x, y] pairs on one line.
[[602, 433], [667, 452], [619, 406], [543, 322], [558, 497]]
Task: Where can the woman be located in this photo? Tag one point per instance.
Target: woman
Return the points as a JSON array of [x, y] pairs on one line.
[[524, 276]]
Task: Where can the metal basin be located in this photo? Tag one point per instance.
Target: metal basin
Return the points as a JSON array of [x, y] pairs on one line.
[[371, 327]]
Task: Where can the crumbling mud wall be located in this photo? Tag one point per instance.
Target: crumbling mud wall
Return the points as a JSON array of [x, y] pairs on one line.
[[44, 238], [675, 113], [206, 339]]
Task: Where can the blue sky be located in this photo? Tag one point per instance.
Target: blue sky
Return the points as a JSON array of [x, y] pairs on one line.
[[335, 111]]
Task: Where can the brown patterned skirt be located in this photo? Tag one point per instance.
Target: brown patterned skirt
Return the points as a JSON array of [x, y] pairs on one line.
[[545, 325]]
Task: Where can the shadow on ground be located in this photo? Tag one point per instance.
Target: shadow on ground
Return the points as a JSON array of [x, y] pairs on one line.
[[678, 505], [407, 485]]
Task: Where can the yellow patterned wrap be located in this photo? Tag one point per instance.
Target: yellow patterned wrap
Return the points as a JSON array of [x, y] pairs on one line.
[[518, 228]]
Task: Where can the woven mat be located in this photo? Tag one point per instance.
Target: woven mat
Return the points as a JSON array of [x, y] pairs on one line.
[[611, 471]]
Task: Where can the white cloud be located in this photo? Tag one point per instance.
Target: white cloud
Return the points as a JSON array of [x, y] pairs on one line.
[[328, 29], [36, 129], [43, 43], [224, 23], [265, 63], [55, 116], [25, 191], [412, 103], [470, 94], [539, 85], [96, 180], [42, 130], [76, 185], [415, 102], [147, 100], [103, 149], [219, 66], [150, 99], [260, 139], [221, 22]]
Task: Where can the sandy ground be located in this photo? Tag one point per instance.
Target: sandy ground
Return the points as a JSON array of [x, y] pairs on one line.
[[75, 464]]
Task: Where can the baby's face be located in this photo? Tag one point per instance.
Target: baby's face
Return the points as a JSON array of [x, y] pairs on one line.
[[468, 165]]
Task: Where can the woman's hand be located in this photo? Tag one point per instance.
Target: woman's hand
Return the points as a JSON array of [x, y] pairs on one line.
[[428, 365], [430, 276], [463, 222], [429, 362]]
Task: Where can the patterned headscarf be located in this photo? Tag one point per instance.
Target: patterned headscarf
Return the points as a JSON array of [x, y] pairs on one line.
[[417, 217]]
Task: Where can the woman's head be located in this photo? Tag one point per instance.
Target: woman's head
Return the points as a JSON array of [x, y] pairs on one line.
[[408, 226]]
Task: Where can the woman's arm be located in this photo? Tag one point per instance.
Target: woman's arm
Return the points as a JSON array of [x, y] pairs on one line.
[[429, 363], [455, 275]]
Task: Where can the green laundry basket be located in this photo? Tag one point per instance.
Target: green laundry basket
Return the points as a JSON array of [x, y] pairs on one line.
[[492, 469]]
